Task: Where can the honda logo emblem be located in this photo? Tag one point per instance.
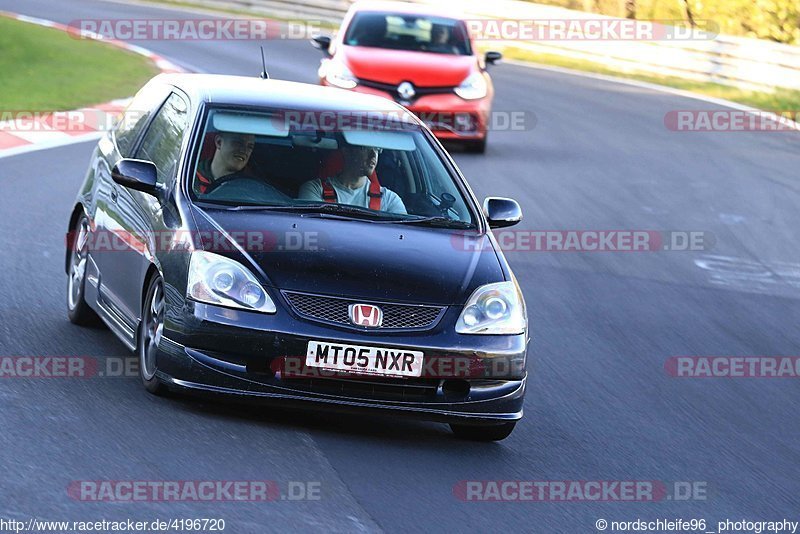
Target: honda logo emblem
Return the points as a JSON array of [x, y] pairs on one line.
[[365, 315]]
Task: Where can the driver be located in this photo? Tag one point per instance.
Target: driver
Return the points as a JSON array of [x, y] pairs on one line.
[[222, 176], [352, 185], [371, 30], [440, 40], [231, 156]]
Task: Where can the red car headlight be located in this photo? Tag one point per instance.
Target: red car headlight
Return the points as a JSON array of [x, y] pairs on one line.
[[473, 87], [337, 74]]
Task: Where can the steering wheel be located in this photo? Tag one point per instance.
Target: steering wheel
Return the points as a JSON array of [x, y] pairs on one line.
[[227, 180]]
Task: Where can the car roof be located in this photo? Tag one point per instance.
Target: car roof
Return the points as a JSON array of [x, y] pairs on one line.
[[278, 94], [405, 7]]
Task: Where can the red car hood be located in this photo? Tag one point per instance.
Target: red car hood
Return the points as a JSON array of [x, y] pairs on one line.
[[423, 69]]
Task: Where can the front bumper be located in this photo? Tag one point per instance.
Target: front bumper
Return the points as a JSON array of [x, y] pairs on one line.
[[449, 117], [221, 351]]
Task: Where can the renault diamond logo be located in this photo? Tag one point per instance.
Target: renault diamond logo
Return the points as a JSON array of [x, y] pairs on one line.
[[406, 91], [365, 315]]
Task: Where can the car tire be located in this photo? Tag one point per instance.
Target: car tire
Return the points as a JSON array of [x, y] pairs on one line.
[[150, 329], [78, 310], [485, 432], [476, 147]]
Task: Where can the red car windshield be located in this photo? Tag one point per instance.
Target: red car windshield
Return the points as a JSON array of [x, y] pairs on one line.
[[401, 31]]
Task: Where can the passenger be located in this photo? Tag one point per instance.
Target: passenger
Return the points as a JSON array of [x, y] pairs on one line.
[[353, 185]]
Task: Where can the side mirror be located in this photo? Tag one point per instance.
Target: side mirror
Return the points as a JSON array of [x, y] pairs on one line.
[[501, 212], [321, 42], [136, 174], [493, 57]]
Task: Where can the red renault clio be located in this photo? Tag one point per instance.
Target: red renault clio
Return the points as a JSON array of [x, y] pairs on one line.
[[418, 56]]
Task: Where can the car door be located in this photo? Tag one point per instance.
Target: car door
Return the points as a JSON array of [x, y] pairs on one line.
[[111, 225], [164, 145], [139, 215]]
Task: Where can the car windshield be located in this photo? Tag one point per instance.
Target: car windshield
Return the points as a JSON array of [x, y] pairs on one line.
[[401, 31], [375, 166]]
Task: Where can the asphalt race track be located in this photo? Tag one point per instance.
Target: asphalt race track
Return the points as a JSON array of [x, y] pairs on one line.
[[600, 404]]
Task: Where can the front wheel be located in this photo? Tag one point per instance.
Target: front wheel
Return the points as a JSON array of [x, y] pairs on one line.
[[77, 310], [150, 331], [483, 433]]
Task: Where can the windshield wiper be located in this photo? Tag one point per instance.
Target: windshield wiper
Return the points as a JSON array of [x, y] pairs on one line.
[[346, 211], [321, 209], [264, 207], [437, 221]]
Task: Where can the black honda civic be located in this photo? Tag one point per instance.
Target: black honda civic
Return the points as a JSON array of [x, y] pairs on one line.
[[302, 246]]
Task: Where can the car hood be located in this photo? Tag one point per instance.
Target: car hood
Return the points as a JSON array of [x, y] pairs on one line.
[[423, 69], [358, 258]]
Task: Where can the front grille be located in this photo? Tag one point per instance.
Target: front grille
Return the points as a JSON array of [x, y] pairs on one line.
[[335, 310], [392, 89]]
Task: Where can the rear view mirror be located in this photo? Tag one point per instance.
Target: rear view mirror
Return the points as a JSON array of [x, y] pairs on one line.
[[501, 212], [136, 174], [493, 57], [321, 42]]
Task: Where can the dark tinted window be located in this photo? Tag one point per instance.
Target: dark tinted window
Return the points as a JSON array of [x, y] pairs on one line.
[[162, 142], [133, 121], [401, 31]]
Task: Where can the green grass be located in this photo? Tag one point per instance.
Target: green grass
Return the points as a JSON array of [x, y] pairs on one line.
[[780, 100], [45, 69]]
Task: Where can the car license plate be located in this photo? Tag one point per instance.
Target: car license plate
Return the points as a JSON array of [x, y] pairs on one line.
[[367, 360]]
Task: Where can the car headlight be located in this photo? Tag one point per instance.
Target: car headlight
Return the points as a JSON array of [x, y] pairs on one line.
[[215, 279], [494, 309], [337, 74], [473, 87]]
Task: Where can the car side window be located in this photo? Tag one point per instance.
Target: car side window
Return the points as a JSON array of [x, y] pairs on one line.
[[136, 116], [162, 142]]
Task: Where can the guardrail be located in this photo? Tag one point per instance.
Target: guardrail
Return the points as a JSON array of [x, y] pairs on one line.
[[742, 62], [319, 10], [737, 61]]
